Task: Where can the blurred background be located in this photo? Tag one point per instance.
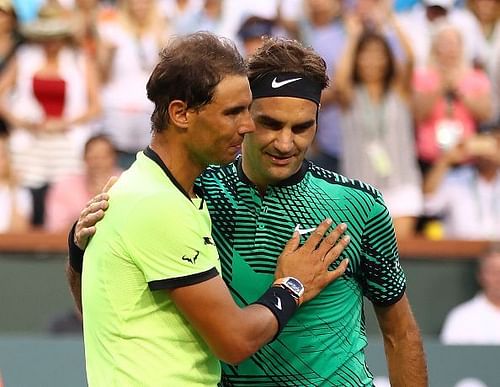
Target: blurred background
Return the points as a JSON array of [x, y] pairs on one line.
[[413, 108]]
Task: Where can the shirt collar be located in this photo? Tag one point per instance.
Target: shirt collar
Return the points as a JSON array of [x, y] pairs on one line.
[[296, 178], [151, 154]]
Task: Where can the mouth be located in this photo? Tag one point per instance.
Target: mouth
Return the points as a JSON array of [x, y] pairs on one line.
[[235, 147], [280, 160]]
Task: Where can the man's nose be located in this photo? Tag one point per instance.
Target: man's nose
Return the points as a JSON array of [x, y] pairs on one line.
[[247, 125], [284, 141]]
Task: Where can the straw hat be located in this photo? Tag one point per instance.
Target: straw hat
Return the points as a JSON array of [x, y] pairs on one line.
[[6, 5], [52, 23]]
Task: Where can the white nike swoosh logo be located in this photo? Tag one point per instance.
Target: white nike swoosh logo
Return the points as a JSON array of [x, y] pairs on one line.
[[304, 230], [278, 303], [276, 85]]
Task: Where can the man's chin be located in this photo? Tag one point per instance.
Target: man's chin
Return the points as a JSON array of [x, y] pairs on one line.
[[279, 173]]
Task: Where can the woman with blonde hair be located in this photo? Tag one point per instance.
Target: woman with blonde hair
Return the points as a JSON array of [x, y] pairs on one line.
[[450, 96]]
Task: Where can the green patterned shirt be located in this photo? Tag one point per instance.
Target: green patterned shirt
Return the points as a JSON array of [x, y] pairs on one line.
[[323, 344]]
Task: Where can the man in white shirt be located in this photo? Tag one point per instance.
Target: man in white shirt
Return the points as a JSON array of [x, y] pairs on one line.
[[477, 321]]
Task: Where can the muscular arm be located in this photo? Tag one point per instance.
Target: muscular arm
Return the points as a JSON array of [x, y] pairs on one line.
[[403, 345], [232, 333]]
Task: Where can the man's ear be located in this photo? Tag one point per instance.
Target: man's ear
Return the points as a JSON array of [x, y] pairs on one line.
[[178, 113]]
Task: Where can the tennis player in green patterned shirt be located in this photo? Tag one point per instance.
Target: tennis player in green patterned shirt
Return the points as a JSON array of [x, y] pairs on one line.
[[258, 201]]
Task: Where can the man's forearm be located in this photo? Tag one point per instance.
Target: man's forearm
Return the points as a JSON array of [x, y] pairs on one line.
[[406, 360], [75, 285]]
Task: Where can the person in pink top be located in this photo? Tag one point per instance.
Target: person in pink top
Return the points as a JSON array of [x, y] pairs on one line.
[[450, 97], [67, 196]]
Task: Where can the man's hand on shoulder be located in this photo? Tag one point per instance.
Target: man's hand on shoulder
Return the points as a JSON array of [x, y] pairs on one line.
[[91, 214]]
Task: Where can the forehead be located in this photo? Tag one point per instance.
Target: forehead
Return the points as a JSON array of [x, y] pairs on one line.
[[232, 91], [284, 109]]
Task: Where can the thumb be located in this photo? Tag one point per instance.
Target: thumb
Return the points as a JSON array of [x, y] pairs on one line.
[[339, 271], [111, 181], [292, 244]]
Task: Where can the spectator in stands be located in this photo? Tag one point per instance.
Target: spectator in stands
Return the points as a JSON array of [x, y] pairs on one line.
[[87, 15], [450, 96], [419, 24], [487, 13], [252, 32], [49, 96], [15, 202], [322, 27], [467, 197], [67, 196], [477, 321], [9, 35], [134, 38], [210, 17], [179, 13], [377, 123], [9, 42]]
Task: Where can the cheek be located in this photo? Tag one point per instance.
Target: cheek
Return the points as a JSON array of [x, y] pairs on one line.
[[304, 142]]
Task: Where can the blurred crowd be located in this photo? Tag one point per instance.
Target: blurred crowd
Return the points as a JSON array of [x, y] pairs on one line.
[[413, 107]]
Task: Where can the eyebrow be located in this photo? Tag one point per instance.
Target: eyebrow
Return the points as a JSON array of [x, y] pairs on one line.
[[235, 109], [270, 121]]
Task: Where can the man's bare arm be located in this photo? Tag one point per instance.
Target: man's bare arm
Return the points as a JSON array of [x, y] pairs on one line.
[[85, 228], [235, 333], [403, 345], [75, 285]]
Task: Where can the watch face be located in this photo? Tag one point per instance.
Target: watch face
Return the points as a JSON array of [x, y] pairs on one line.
[[295, 286]]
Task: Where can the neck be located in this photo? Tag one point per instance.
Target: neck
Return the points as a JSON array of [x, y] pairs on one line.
[[493, 300], [176, 157], [247, 170], [375, 90], [487, 28]]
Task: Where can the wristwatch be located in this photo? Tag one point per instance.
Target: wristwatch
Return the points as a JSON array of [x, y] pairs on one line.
[[293, 285]]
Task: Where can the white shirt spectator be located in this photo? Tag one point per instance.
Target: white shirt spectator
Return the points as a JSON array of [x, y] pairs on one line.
[[469, 205], [475, 322], [22, 200]]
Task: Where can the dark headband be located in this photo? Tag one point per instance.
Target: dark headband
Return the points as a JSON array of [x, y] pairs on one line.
[[286, 85]]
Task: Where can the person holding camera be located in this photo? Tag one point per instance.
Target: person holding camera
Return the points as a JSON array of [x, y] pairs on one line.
[[466, 197]]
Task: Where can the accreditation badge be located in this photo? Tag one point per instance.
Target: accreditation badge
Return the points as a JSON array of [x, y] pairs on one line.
[[379, 158]]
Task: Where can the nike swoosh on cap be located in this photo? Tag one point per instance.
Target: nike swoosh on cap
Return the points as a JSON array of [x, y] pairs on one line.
[[275, 84]]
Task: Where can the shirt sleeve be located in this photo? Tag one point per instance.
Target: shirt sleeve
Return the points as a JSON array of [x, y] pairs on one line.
[[166, 242], [383, 279]]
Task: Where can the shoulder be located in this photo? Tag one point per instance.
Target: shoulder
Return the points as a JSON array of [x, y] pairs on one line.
[[215, 174], [342, 182], [467, 309]]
